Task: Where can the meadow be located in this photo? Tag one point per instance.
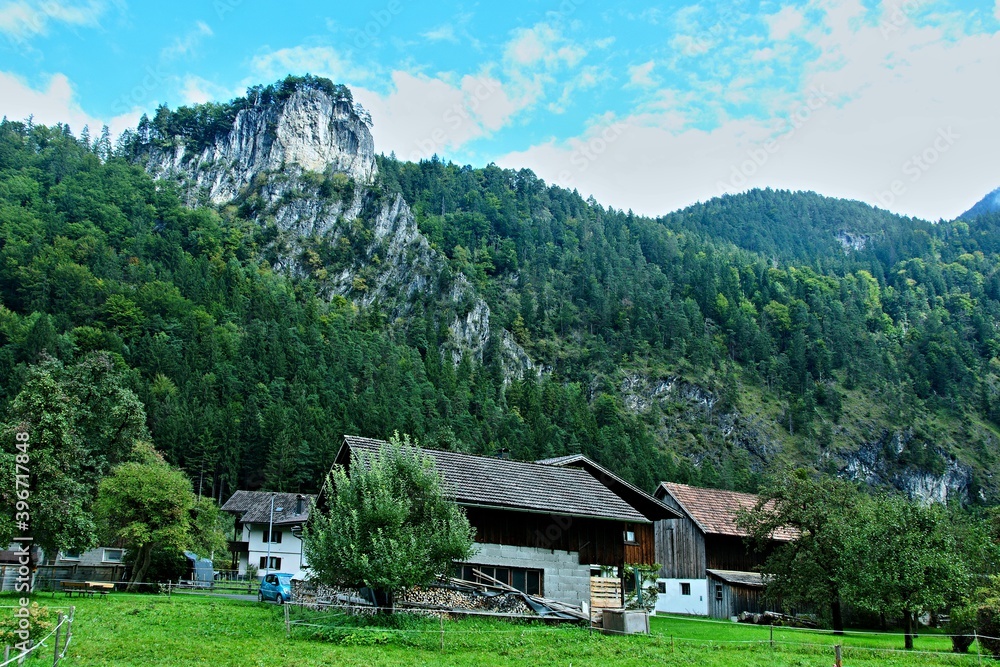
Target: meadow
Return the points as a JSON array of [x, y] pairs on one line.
[[148, 630]]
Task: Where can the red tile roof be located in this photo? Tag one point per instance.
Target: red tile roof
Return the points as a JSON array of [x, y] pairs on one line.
[[714, 510]]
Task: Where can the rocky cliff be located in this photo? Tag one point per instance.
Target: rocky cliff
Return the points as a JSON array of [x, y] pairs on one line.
[[693, 420], [304, 168], [309, 131]]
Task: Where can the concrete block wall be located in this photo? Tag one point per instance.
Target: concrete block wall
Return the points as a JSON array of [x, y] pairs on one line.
[[563, 578]]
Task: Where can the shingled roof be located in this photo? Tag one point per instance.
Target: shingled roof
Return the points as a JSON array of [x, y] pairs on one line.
[[483, 481], [650, 507], [714, 510], [255, 507], [747, 579]]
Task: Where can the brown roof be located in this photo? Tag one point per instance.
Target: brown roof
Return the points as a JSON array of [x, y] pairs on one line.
[[714, 510], [502, 483], [255, 507]]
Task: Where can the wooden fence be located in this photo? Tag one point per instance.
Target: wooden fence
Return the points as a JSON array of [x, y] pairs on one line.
[[605, 593]]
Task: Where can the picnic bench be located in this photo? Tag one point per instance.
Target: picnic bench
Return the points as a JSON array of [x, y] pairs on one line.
[[87, 588]]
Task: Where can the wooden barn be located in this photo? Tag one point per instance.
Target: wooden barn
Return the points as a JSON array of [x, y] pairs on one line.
[[707, 567], [542, 526]]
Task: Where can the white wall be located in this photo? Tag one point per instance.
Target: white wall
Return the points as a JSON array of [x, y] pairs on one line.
[[672, 602], [289, 550]]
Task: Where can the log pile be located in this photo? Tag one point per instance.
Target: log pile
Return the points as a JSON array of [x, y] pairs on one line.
[[446, 596], [450, 596], [776, 619]]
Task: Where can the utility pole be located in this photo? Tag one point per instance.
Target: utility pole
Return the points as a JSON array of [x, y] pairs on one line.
[[270, 530]]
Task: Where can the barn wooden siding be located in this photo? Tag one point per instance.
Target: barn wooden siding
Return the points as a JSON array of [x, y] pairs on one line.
[[599, 541], [680, 546], [725, 552], [735, 599]]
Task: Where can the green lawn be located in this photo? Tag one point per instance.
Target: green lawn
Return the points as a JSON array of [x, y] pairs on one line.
[[198, 630]]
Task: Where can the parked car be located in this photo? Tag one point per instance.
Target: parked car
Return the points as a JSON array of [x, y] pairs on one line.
[[276, 586]]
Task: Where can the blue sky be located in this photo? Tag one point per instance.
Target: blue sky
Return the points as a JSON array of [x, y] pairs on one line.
[[648, 106]]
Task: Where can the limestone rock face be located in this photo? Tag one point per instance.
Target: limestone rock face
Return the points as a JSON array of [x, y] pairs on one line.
[[309, 131], [307, 163]]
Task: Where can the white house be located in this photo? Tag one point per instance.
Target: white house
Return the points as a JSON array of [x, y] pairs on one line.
[[268, 533]]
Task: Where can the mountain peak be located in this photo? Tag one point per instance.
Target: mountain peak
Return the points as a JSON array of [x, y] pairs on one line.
[[988, 204], [298, 124]]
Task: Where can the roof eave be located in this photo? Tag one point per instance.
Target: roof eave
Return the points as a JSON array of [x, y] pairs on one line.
[[591, 466], [535, 510], [687, 512]]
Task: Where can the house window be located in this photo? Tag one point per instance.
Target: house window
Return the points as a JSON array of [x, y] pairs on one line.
[[718, 591], [70, 555], [113, 555], [661, 587], [685, 588], [629, 535], [275, 563], [524, 580], [275, 537]]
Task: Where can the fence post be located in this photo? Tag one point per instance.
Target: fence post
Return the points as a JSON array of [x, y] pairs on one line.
[[288, 623], [836, 656], [979, 647], [772, 636], [55, 654], [69, 628], [6, 653], [442, 631]]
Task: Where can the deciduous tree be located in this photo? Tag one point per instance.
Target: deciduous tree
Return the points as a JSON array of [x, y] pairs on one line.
[[389, 524]]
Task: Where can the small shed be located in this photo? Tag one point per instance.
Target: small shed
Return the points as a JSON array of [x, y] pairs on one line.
[[732, 592], [200, 570]]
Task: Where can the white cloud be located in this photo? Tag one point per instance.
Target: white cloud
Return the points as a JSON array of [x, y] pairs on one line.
[[55, 103], [186, 45], [196, 90], [542, 45], [23, 19], [639, 75], [784, 23], [689, 45], [996, 10], [318, 60], [422, 115], [912, 108], [444, 33]]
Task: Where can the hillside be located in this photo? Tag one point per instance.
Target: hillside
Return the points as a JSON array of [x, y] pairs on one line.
[[267, 283], [988, 204]]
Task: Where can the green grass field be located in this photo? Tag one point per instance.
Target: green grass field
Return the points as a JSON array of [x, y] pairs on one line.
[[140, 630]]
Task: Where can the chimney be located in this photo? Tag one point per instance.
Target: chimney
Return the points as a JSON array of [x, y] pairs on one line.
[[298, 503], [504, 454]]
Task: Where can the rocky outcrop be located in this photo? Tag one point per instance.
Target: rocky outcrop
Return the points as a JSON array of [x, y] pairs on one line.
[[874, 455], [309, 131], [852, 240], [874, 462], [305, 165]]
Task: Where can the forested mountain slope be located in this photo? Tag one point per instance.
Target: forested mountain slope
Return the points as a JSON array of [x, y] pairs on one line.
[[260, 310]]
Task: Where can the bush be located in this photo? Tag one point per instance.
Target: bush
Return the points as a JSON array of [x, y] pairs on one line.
[[42, 620], [962, 627], [647, 577], [988, 616]]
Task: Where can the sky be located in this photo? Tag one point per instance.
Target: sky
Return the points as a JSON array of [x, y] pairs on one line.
[[645, 106]]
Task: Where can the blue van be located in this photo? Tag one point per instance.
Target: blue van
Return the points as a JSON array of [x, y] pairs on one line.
[[276, 586]]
